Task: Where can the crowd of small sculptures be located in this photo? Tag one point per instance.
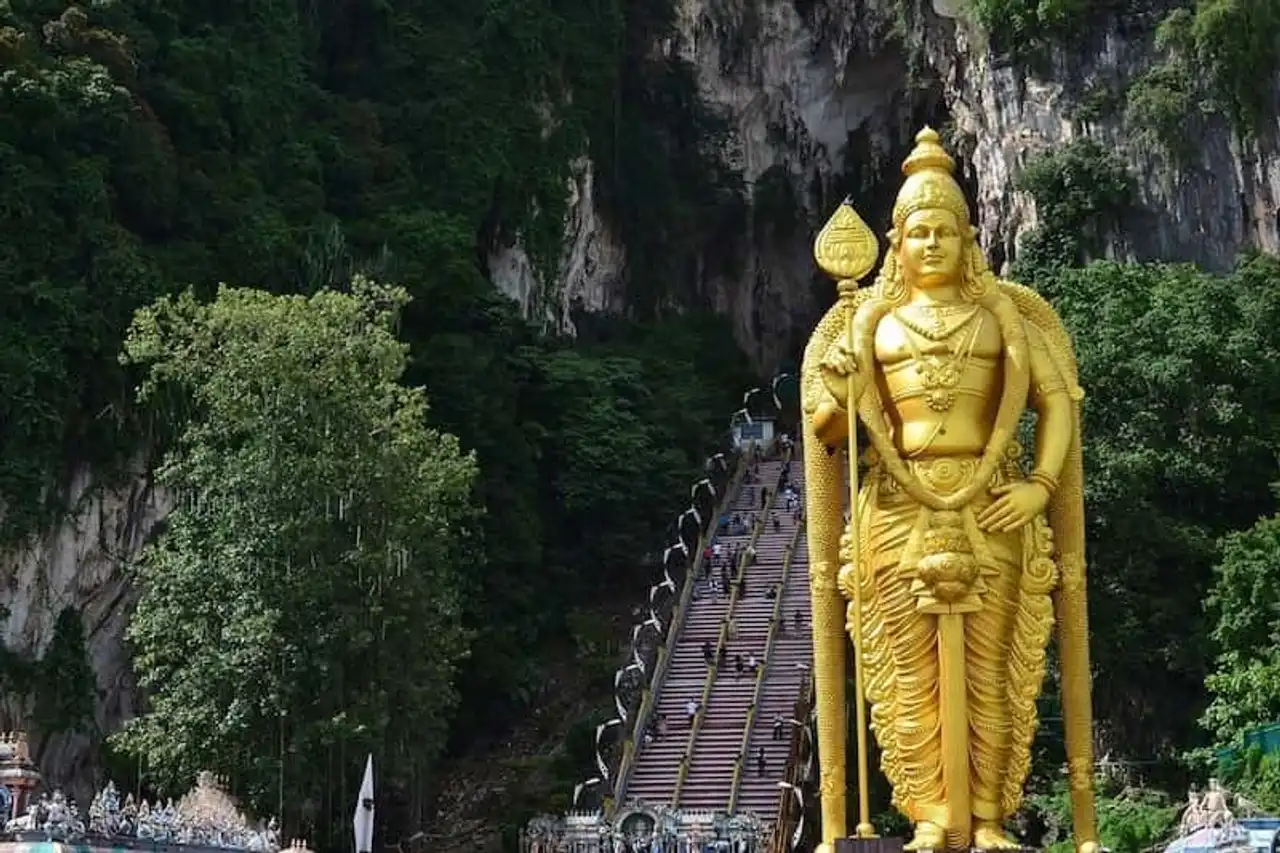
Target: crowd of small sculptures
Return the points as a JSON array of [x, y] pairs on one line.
[[205, 817], [639, 828]]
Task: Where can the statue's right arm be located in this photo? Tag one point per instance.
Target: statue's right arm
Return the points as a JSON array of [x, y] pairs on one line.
[[831, 418], [830, 422]]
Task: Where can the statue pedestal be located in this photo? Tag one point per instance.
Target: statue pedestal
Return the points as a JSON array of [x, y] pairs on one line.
[[893, 845], [868, 845]]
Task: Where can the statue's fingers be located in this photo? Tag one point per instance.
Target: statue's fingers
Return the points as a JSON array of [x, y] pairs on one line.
[[1020, 522], [1003, 489], [1012, 524], [992, 511], [1007, 512]]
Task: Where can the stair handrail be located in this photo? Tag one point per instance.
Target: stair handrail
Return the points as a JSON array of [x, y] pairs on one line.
[[790, 810], [653, 688], [710, 679], [753, 709]]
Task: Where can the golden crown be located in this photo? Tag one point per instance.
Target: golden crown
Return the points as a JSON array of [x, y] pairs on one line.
[[930, 183]]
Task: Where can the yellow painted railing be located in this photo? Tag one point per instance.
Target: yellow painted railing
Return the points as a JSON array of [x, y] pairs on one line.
[[754, 708], [799, 753], [743, 561], [653, 688]]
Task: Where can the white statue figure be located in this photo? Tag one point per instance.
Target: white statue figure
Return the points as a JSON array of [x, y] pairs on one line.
[[1193, 815], [1214, 806]]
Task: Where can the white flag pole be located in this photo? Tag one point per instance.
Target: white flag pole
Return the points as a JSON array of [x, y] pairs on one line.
[[362, 820]]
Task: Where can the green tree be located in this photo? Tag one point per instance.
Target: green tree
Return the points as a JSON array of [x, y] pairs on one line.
[[1244, 608], [1080, 190], [303, 604], [1182, 373], [1130, 820]]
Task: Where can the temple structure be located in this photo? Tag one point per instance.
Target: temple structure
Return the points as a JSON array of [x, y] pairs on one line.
[[43, 821]]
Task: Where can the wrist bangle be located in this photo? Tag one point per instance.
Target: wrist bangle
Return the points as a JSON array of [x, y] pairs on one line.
[[1045, 479]]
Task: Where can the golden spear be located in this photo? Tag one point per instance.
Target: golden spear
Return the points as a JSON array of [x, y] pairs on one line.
[[845, 249]]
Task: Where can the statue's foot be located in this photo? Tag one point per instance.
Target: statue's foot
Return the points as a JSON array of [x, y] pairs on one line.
[[929, 836], [989, 835]]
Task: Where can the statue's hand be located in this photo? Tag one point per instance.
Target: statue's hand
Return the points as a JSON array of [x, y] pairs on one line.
[[1017, 504], [847, 555], [837, 366]]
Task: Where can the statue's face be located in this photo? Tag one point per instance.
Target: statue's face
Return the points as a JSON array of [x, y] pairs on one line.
[[931, 248]]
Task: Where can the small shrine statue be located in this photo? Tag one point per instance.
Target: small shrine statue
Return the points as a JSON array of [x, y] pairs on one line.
[[1213, 807], [960, 552], [1193, 814]]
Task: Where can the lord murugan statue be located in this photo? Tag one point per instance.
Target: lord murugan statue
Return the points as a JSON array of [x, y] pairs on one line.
[[952, 562]]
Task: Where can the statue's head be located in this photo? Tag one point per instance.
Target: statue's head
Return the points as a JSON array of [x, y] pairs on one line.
[[932, 243]]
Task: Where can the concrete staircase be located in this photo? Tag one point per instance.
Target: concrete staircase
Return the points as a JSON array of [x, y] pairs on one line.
[[789, 666], [657, 766], [715, 745]]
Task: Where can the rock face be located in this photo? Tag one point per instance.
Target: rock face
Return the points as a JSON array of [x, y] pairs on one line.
[[80, 564], [591, 275], [826, 95], [819, 103], [1205, 210]]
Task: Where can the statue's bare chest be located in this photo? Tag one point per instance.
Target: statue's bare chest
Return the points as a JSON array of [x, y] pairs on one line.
[[930, 364], [904, 335]]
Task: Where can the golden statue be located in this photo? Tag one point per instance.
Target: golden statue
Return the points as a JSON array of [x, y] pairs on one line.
[[963, 559]]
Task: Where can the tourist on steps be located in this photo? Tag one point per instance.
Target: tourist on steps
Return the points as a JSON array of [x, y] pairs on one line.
[[708, 654], [738, 664], [691, 711], [761, 763], [778, 723]]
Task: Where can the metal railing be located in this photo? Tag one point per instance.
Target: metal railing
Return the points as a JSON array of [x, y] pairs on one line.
[[788, 829]]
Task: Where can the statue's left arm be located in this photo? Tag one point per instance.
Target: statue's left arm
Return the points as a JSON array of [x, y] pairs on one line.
[[1018, 503], [1056, 425], [1055, 389]]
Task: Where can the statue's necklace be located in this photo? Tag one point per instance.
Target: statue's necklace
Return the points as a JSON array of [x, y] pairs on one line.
[[940, 375], [936, 322]]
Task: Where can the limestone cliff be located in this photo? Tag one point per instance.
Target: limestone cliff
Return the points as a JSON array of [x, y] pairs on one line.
[[80, 563], [826, 94]]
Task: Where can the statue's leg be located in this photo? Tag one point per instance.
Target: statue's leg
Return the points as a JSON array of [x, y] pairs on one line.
[[988, 639], [912, 751]]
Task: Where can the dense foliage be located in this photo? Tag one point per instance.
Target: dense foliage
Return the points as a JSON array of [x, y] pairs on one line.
[[1081, 191], [151, 147], [1246, 611], [1180, 368], [1130, 820], [304, 598]]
